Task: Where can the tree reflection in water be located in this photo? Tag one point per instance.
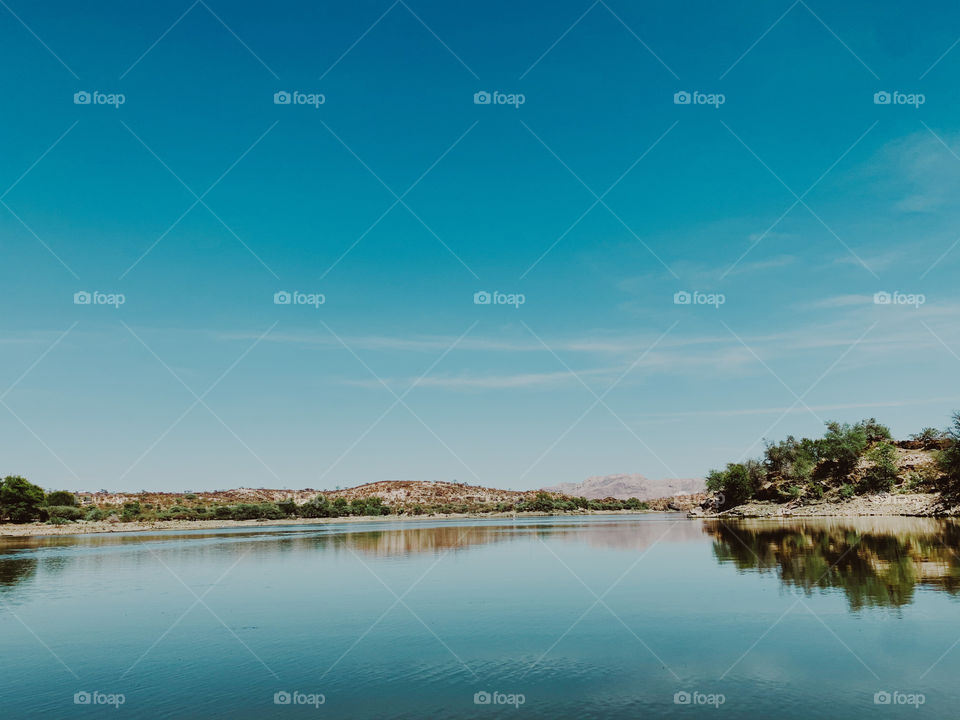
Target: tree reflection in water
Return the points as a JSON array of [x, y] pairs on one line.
[[877, 562]]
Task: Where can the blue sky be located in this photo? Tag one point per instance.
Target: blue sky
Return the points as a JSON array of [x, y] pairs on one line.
[[398, 198]]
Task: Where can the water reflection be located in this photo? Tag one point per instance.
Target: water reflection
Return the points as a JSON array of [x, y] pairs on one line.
[[877, 562], [20, 558]]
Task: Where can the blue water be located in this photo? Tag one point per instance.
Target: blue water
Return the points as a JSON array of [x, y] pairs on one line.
[[596, 617]]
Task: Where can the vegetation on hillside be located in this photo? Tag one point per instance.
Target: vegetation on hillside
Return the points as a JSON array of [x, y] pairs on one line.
[[22, 501], [848, 460]]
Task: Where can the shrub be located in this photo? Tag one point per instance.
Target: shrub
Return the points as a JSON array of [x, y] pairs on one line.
[[64, 512], [249, 511], [847, 491], [738, 482], [58, 521], [875, 431], [62, 498], [131, 511], [95, 514], [20, 500], [318, 507], [287, 507], [930, 438], [883, 474], [949, 459], [190, 496], [791, 459], [842, 446], [542, 502]]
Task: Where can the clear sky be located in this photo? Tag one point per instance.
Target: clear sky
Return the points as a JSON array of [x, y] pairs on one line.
[[783, 189]]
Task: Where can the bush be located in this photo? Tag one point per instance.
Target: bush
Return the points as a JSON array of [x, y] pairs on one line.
[[875, 432], [62, 498], [64, 512], [542, 502], [131, 511], [930, 438], [842, 446], [949, 459], [95, 514], [20, 500], [792, 459], [847, 491], [318, 507], [738, 482], [883, 475]]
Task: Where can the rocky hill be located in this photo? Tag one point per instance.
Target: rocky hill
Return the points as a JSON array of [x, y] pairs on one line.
[[627, 486]]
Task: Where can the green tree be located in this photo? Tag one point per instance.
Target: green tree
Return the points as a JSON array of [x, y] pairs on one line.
[[950, 457], [738, 482], [883, 474], [842, 446], [62, 498], [20, 500]]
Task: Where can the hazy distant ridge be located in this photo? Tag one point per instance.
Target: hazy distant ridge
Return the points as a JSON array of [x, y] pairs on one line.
[[627, 486]]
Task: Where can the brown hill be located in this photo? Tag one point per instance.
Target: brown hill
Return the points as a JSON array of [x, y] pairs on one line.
[[627, 486]]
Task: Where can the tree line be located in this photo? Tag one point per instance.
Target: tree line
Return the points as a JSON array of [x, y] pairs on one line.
[[21, 501]]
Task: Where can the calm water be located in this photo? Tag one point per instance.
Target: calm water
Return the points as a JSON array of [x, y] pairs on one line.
[[601, 617]]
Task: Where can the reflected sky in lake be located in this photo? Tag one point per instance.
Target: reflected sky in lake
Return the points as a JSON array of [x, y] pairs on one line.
[[596, 617]]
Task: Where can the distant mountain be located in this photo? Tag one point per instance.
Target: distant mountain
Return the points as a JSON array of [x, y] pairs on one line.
[[627, 486]]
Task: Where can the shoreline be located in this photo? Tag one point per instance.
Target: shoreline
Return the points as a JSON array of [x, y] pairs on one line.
[[880, 505], [89, 527], [876, 505]]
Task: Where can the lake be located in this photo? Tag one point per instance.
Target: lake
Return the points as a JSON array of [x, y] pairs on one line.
[[611, 616]]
